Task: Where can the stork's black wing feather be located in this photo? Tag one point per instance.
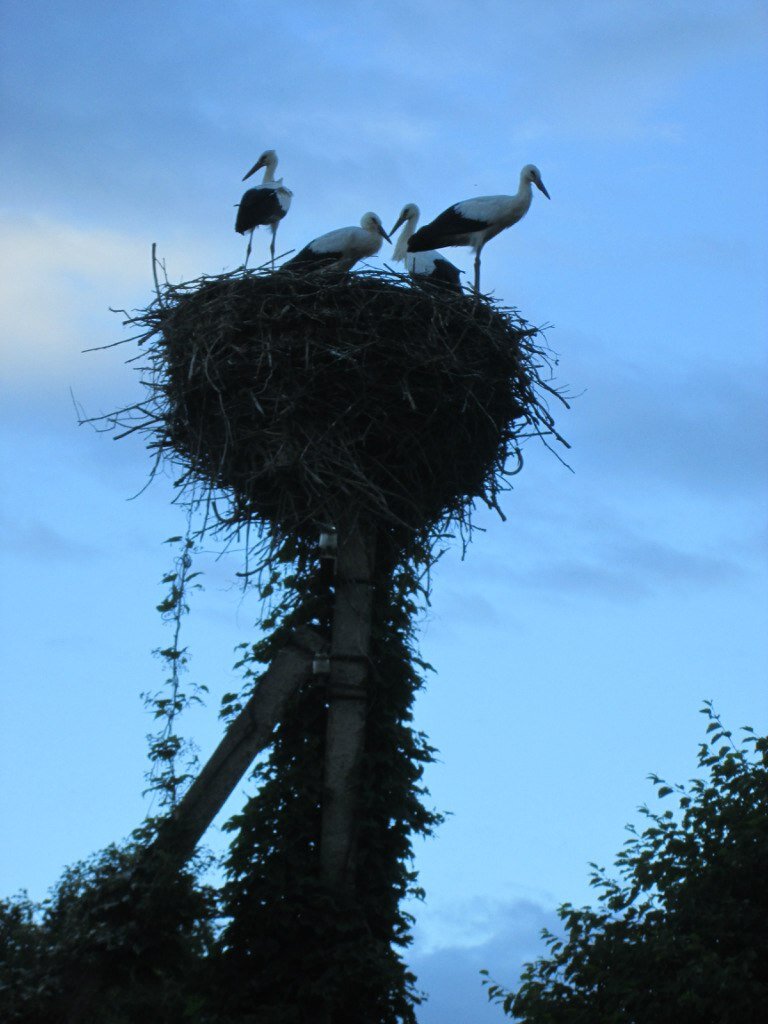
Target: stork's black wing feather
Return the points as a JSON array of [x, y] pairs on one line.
[[258, 206], [311, 259], [446, 274], [440, 232]]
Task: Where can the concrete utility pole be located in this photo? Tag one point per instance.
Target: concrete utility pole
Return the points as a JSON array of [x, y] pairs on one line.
[[348, 703]]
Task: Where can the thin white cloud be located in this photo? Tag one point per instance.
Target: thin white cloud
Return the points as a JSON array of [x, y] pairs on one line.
[[58, 281], [53, 278]]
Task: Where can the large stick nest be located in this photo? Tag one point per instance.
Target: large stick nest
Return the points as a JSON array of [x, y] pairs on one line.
[[303, 398]]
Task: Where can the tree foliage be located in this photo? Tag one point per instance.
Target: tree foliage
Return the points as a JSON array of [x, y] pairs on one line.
[[682, 935], [139, 940]]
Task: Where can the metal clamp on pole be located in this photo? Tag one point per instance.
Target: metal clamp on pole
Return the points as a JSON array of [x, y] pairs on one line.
[[328, 543], [338, 691], [321, 664]]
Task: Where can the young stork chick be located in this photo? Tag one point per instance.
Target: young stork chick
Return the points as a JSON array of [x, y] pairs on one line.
[[474, 221], [266, 203], [342, 248], [427, 266]]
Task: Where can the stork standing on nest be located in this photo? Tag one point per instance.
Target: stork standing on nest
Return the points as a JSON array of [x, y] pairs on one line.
[[266, 203], [342, 248], [429, 266], [474, 221]]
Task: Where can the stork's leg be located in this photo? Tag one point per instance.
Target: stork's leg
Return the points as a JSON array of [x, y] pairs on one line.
[[248, 250], [477, 273], [272, 245]]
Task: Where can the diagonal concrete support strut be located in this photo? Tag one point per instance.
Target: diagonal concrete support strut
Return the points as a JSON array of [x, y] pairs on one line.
[[246, 736]]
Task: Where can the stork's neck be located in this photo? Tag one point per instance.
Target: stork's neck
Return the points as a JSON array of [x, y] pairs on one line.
[[401, 248], [524, 191], [269, 171]]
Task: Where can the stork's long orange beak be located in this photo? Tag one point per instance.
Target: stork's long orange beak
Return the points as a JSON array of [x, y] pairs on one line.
[[256, 166], [402, 220], [540, 186]]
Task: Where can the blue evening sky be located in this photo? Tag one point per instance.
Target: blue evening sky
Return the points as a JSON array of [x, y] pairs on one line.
[[575, 643]]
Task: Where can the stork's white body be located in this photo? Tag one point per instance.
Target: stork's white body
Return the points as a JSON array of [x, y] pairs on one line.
[[264, 204], [473, 222], [342, 248], [430, 266]]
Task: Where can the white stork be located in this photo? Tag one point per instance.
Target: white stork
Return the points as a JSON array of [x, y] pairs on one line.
[[266, 203], [428, 266], [473, 221], [342, 248]]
